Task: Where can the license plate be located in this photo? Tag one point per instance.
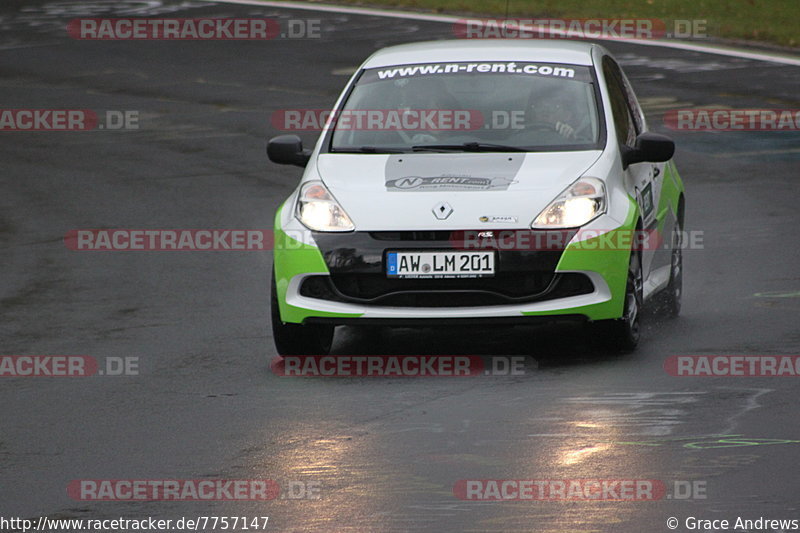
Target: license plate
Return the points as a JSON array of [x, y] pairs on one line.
[[440, 264]]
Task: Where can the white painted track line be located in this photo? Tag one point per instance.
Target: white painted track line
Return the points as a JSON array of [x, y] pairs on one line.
[[450, 19]]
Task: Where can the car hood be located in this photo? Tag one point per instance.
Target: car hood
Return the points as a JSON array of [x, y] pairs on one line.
[[479, 190]]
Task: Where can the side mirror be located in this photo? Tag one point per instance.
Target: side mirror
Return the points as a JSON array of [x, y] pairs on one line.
[[287, 150], [650, 147]]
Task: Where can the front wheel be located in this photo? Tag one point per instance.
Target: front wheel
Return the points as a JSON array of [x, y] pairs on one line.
[[298, 339], [624, 333]]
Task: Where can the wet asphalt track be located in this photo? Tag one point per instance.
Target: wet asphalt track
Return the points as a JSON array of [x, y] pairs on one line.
[[385, 452]]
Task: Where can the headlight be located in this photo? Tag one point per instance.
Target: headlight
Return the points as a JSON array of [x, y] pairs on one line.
[[318, 210], [580, 203]]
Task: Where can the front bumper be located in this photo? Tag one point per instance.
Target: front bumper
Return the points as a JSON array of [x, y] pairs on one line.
[[339, 278]]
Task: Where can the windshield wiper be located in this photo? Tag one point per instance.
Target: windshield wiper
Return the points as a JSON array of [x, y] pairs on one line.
[[468, 147], [369, 150]]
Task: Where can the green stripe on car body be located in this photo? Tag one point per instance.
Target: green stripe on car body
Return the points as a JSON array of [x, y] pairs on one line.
[[611, 262], [290, 258], [671, 190]]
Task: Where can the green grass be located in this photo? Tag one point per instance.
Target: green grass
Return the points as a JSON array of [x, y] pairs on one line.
[[768, 21]]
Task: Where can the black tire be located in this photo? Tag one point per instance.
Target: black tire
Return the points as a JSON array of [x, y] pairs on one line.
[[624, 333], [298, 339], [671, 296]]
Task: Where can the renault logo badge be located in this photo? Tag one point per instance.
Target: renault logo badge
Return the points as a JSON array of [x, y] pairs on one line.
[[442, 210]]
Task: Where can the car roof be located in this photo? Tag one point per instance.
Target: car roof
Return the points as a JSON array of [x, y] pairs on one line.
[[540, 51]]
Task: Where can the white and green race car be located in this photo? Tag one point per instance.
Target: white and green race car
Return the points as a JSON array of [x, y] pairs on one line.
[[461, 182]]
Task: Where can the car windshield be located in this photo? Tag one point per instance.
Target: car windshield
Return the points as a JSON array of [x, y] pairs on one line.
[[507, 106]]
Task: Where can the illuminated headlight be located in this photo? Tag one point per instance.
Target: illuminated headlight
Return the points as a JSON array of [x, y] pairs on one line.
[[579, 204], [318, 210]]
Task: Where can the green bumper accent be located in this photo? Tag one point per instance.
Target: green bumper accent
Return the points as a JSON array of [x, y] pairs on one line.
[[290, 258], [608, 260]]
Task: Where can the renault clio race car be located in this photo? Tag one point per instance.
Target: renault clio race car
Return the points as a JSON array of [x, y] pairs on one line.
[[461, 182]]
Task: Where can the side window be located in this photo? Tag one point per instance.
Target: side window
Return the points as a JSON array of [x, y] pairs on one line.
[[633, 103], [624, 121]]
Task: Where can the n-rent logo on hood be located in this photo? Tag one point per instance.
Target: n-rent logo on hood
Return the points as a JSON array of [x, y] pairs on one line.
[[450, 183], [437, 172]]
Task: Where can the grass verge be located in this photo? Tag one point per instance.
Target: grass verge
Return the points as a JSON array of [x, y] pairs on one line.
[[765, 21]]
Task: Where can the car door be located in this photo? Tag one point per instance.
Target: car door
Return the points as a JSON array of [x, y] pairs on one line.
[[641, 178]]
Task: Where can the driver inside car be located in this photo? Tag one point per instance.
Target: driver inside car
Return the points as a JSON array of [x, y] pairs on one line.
[[554, 111]]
